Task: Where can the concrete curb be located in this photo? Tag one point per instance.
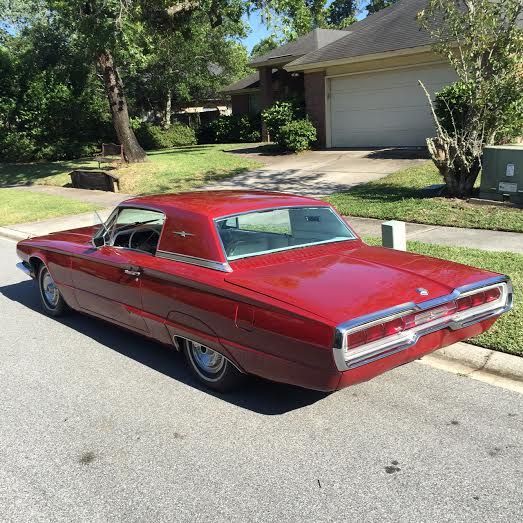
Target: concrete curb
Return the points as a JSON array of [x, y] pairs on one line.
[[12, 234], [477, 359]]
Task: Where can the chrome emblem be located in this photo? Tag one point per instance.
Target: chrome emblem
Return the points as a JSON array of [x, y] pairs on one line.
[[183, 234], [422, 291]]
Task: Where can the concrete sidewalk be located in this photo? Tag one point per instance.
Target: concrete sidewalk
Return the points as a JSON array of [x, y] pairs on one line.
[[102, 198], [21, 231], [484, 239], [451, 236]]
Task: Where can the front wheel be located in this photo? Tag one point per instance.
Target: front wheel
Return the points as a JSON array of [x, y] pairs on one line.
[[212, 368], [53, 302]]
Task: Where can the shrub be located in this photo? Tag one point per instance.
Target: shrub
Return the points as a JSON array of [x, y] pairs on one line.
[[278, 115], [452, 106], [238, 128], [16, 147], [154, 137], [297, 135], [19, 147]]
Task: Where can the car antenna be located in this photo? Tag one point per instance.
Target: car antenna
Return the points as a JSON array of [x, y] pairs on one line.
[[101, 221]]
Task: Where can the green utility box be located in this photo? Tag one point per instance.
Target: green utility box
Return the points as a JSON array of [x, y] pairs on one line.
[[502, 175]]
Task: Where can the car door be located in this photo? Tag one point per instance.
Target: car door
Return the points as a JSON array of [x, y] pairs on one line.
[[107, 279]]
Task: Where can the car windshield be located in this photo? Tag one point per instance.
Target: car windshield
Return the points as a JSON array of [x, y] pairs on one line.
[[275, 230]]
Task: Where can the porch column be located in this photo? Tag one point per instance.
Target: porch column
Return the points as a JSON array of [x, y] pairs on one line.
[[314, 84], [265, 96]]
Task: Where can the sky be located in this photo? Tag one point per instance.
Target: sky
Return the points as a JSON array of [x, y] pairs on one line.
[[258, 31]]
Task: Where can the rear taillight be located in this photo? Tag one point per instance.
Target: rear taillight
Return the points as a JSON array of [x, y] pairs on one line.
[[389, 327], [389, 331]]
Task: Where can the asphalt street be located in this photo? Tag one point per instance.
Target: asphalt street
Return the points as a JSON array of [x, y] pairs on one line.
[[97, 424]]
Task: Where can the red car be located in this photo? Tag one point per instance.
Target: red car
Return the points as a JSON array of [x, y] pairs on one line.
[[271, 284]]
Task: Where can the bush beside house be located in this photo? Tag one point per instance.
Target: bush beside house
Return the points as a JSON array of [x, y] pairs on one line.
[[238, 128], [287, 126], [154, 137], [297, 135]]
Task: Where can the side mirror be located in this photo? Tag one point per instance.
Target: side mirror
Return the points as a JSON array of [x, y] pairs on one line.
[[98, 241], [98, 238]]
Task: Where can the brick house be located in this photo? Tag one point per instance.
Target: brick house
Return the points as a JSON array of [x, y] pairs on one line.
[[360, 85]]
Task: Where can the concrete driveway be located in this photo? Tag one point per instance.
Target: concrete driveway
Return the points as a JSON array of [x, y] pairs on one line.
[[316, 173]]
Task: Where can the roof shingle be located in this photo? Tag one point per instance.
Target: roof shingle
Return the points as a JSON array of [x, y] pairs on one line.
[[303, 45], [390, 29]]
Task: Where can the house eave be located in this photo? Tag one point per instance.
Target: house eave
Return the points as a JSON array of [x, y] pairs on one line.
[[355, 59], [276, 62], [251, 90]]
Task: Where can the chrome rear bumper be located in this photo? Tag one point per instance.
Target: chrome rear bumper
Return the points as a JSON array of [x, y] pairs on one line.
[[346, 360]]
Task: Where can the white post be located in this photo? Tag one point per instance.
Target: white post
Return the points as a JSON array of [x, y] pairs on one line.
[[393, 235]]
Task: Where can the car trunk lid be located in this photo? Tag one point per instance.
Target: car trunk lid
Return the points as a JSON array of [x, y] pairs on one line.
[[350, 282]]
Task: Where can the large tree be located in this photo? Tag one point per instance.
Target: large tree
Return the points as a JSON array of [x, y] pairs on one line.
[[295, 18], [189, 65], [52, 104], [342, 13], [264, 46], [483, 41], [377, 5], [115, 35]]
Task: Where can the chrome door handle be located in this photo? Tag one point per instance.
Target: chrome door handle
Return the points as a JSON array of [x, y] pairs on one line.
[[132, 272]]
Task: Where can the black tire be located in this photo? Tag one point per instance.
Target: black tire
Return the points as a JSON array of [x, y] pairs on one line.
[[52, 300], [218, 373]]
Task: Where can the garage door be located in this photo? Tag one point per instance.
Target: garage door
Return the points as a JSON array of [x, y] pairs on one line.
[[384, 108]]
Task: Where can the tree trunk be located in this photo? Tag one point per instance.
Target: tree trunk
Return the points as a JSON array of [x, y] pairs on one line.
[[168, 105], [458, 167], [117, 103]]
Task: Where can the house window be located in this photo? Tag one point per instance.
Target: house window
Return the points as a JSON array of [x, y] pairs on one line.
[[254, 104]]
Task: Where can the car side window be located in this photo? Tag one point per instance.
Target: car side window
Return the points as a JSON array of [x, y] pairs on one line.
[[132, 228]]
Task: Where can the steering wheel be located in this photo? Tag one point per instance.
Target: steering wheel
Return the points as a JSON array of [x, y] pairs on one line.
[[152, 232]]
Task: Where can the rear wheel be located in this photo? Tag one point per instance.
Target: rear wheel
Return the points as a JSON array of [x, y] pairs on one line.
[[212, 368], [52, 301]]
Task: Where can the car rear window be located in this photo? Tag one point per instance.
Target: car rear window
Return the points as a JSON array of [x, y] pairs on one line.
[[264, 232]]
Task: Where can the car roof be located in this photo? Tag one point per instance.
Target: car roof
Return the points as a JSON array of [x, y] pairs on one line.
[[215, 204]]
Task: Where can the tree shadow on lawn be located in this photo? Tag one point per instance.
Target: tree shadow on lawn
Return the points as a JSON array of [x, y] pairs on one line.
[[387, 193], [180, 150], [187, 184], [13, 174], [258, 395], [266, 149]]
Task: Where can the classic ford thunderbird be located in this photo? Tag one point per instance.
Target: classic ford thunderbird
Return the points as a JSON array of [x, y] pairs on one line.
[[270, 284]]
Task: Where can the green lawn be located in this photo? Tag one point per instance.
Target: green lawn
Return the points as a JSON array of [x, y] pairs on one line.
[[19, 206], [507, 333], [177, 169], [400, 196]]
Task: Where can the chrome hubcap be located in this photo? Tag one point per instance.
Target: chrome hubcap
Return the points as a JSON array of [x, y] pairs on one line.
[[50, 290], [207, 359]]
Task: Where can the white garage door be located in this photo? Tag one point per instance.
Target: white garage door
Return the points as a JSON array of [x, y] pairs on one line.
[[384, 108]]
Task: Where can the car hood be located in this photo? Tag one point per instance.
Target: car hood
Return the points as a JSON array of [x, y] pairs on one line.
[[342, 285]]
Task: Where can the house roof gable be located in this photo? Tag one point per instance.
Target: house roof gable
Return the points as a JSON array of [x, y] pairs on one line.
[[249, 82], [310, 42], [390, 29]]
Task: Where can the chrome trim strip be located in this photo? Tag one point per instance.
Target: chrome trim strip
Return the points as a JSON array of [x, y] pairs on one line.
[[193, 260], [268, 209], [289, 248], [24, 269], [406, 339]]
